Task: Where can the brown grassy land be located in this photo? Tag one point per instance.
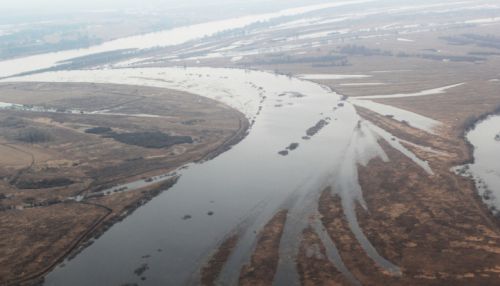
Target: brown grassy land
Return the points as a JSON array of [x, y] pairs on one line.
[[32, 239], [313, 265], [212, 269], [435, 228], [264, 261], [38, 177]]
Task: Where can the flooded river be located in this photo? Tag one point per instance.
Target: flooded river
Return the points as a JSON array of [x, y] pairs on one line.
[[171, 237], [240, 190], [243, 187]]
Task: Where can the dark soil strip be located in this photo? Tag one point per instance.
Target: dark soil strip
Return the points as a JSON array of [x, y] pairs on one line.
[[264, 262], [212, 269], [313, 265], [353, 255]]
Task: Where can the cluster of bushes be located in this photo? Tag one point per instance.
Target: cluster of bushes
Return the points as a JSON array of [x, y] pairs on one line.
[[356, 50], [98, 130], [487, 41], [363, 51], [32, 202], [150, 139], [331, 60], [12, 122], [452, 58], [471, 121], [43, 184], [33, 135]]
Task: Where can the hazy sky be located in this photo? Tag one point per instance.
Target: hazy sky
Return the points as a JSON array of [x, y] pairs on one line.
[[108, 4], [21, 11]]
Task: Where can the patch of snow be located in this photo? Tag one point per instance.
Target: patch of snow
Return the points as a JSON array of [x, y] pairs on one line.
[[401, 115], [362, 84], [236, 59], [405, 40], [332, 76], [483, 21], [396, 144], [439, 90]]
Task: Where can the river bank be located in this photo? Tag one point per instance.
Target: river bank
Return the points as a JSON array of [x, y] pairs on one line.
[[111, 196]]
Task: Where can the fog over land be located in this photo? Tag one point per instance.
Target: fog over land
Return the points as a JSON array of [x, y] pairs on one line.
[[61, 5]]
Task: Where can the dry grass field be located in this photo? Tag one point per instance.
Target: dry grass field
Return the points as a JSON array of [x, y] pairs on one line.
[[48, 157]]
